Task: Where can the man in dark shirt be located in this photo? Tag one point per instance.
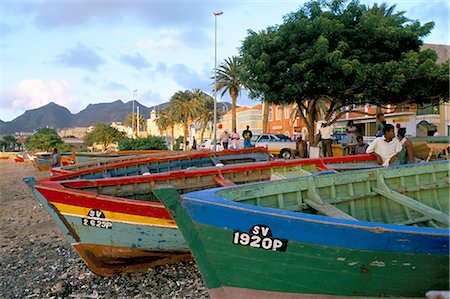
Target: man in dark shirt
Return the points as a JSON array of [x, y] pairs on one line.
[[247, 134]]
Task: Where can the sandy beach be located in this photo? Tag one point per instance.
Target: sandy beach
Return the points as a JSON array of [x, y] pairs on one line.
[[37, 261]]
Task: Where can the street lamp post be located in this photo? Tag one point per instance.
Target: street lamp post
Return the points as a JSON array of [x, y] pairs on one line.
[[216, 13], [132, 114]]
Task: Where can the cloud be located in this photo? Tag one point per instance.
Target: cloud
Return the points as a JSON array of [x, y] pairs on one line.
[[80, 56], [149, 44], [137, 61], [89, 80], [190, 79], [149, 98], [115, 86], [34, 93]]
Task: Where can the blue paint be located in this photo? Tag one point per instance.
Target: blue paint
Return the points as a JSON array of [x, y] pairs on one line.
[[206, 207]]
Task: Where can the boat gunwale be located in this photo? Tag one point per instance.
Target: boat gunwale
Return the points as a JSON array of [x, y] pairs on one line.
[[210, 197], [200, 154]]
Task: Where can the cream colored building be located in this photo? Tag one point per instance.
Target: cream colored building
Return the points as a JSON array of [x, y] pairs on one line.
[[245, 116]]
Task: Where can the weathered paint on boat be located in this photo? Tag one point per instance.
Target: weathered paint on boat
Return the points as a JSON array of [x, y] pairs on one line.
[[125, 203], [252, 241]]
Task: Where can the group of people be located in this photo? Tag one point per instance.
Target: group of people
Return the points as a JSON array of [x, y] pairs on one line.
[[389, 149], [225, 138]]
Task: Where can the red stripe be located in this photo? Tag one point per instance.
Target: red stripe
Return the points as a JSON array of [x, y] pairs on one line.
[[102, 202]]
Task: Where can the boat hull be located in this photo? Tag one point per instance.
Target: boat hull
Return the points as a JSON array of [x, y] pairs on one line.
[[266, 252]]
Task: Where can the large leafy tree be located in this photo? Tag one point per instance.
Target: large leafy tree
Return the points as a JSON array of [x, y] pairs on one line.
[[184, 110], [331, 54], [230, 79], [10, 141], [45, 139], [102, 134]]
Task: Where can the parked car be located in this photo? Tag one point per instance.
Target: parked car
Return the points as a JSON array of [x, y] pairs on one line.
[[278, 144], [208, 145]]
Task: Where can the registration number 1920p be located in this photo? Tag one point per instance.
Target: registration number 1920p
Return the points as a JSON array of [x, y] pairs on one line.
[[259, 236]]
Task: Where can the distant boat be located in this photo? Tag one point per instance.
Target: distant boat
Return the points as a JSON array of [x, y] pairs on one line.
[[156, 164], [117, 225], [362, 234]]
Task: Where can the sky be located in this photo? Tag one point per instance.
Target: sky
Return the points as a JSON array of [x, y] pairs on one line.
[[76, 53]]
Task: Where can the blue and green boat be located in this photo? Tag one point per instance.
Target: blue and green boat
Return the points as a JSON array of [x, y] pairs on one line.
[[362, 234]]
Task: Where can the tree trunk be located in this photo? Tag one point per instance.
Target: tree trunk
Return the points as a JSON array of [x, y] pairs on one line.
[[186, 132], [233, 110], [205, 123], [172, 140], [265, 117]]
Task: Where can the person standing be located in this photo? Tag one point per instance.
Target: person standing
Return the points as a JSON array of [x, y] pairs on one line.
[[352, 131], [56, 158], [325, 136], [194, 143], [247, 134], [380, 124], [301, 147], [235, 139], [406, 155], [385, 147], [224, 138]]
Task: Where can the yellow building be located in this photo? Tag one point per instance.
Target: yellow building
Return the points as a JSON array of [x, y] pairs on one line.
[[245, 116]]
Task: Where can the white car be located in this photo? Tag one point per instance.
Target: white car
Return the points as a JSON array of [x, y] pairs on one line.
[[208, 145]]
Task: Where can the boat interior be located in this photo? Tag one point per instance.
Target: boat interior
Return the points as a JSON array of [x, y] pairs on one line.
[[415, 195]]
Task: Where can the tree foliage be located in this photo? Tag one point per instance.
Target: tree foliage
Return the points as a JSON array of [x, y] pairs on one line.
[[332, 54], [148, 143], [184, 109], [102, 134], [9, 142], [129, 120], [45, 139]]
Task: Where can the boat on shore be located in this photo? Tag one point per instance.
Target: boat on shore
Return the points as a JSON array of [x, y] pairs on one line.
[[117, 225], [364, 234], [158, 163]]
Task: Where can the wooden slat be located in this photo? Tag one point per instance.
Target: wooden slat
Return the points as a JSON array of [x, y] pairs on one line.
[[223, 181], [328, 209], [413, 204]]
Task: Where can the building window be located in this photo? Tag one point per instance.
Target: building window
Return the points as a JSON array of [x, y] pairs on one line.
[[270, 117], [287, 112], [278, 115]]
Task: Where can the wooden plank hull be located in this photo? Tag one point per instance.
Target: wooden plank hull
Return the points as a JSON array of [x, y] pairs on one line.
[[130, 223], [114, 237], [268, 252]]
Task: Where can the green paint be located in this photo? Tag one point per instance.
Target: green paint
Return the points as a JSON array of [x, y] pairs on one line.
[[308, 268]]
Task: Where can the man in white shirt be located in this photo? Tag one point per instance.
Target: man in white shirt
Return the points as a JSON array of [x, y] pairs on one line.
[[325, 136], [385, 147]]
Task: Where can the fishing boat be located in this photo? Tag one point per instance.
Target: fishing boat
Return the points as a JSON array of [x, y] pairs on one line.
[[363, 234], [157, 164], [106, 160], [117, 225]]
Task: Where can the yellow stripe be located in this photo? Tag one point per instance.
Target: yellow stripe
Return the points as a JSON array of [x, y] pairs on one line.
[[114, 216]]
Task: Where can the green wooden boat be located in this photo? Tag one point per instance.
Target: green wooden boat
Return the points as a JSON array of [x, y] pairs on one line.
[[362, 234]]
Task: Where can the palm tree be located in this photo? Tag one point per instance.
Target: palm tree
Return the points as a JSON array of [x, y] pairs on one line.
[[166, 121], [229, 78], [130, 118], [205, 109], [184, 107]]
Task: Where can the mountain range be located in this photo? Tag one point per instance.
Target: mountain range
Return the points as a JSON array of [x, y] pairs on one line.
[[59, 117]]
